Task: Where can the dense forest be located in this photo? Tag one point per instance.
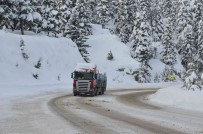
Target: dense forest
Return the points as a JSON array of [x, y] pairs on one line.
[[176, 24]]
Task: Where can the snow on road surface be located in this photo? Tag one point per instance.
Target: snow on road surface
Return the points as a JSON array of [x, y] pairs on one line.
[[31, 115], [118, 111], [123, 112]]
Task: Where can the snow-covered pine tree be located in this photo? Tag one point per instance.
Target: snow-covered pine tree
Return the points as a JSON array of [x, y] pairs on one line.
[[145, 7], [198, 14], [35, 16], [6, 13], [64, 12], [185, 34], [81, 43], [176, 4], [79, 27], [72, 3], [125, 32], [191, 81], [121, 16], [143, 75], [135, 36], [185, 17], [168, 53], [143, 50], [51, 23], [110, 56], [114, 8], [187, 49], [200, 45], [23, 11], [156, 21], [17, 14], [103, 12], [91, 7], [167, 8], [2, 14], [127, 16]]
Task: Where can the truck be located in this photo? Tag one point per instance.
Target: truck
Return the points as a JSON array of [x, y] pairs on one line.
[[88, 80]]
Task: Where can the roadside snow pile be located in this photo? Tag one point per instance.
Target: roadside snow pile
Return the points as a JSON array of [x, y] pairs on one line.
[[31, 60], [176, 96]]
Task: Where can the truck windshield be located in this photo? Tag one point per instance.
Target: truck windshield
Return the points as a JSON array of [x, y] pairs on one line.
[[83, 76]]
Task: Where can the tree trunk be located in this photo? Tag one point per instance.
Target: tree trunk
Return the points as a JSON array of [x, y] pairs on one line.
[[21, 27]]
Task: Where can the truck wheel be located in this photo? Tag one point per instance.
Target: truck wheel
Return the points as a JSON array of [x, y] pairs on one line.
[[102, 92], [92, 94], [74, 94], [96, 93]]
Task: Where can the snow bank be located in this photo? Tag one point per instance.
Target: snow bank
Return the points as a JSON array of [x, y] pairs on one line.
[[57, 56], [176, 96]]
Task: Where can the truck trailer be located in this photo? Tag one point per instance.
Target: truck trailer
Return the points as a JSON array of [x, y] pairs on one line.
[[88, 80]]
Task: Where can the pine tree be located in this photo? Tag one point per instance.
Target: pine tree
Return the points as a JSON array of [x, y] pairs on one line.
[[125, 33], [191, 81], [142, 43], [176, 5], [135, 35], [145, 7], [79, 27], [121, 16], [6, 15], [125, 20], [17, 14], [187, 49], [156, 21], [64, 12], [91, 7], [167, 8], [184, 17], [52, 21], [2, 14], [143, 50], [185, 34], [103, 12], [199, 42], [143, 75], [198, 14], [24, 17], [168, 53]]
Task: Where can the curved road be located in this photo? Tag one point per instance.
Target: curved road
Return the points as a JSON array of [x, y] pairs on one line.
[[125, 111]]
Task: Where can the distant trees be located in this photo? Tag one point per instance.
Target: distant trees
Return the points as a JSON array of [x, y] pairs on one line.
[[176, 24]]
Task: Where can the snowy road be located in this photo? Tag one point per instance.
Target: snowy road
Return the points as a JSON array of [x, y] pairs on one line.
[[125, 111], [118, 111]]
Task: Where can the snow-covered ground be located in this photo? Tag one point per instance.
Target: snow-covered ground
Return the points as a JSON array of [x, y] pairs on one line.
[[177, 96], [58, 58]]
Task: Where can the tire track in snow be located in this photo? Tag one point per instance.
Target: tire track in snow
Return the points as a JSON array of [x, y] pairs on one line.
[[142, 126]]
